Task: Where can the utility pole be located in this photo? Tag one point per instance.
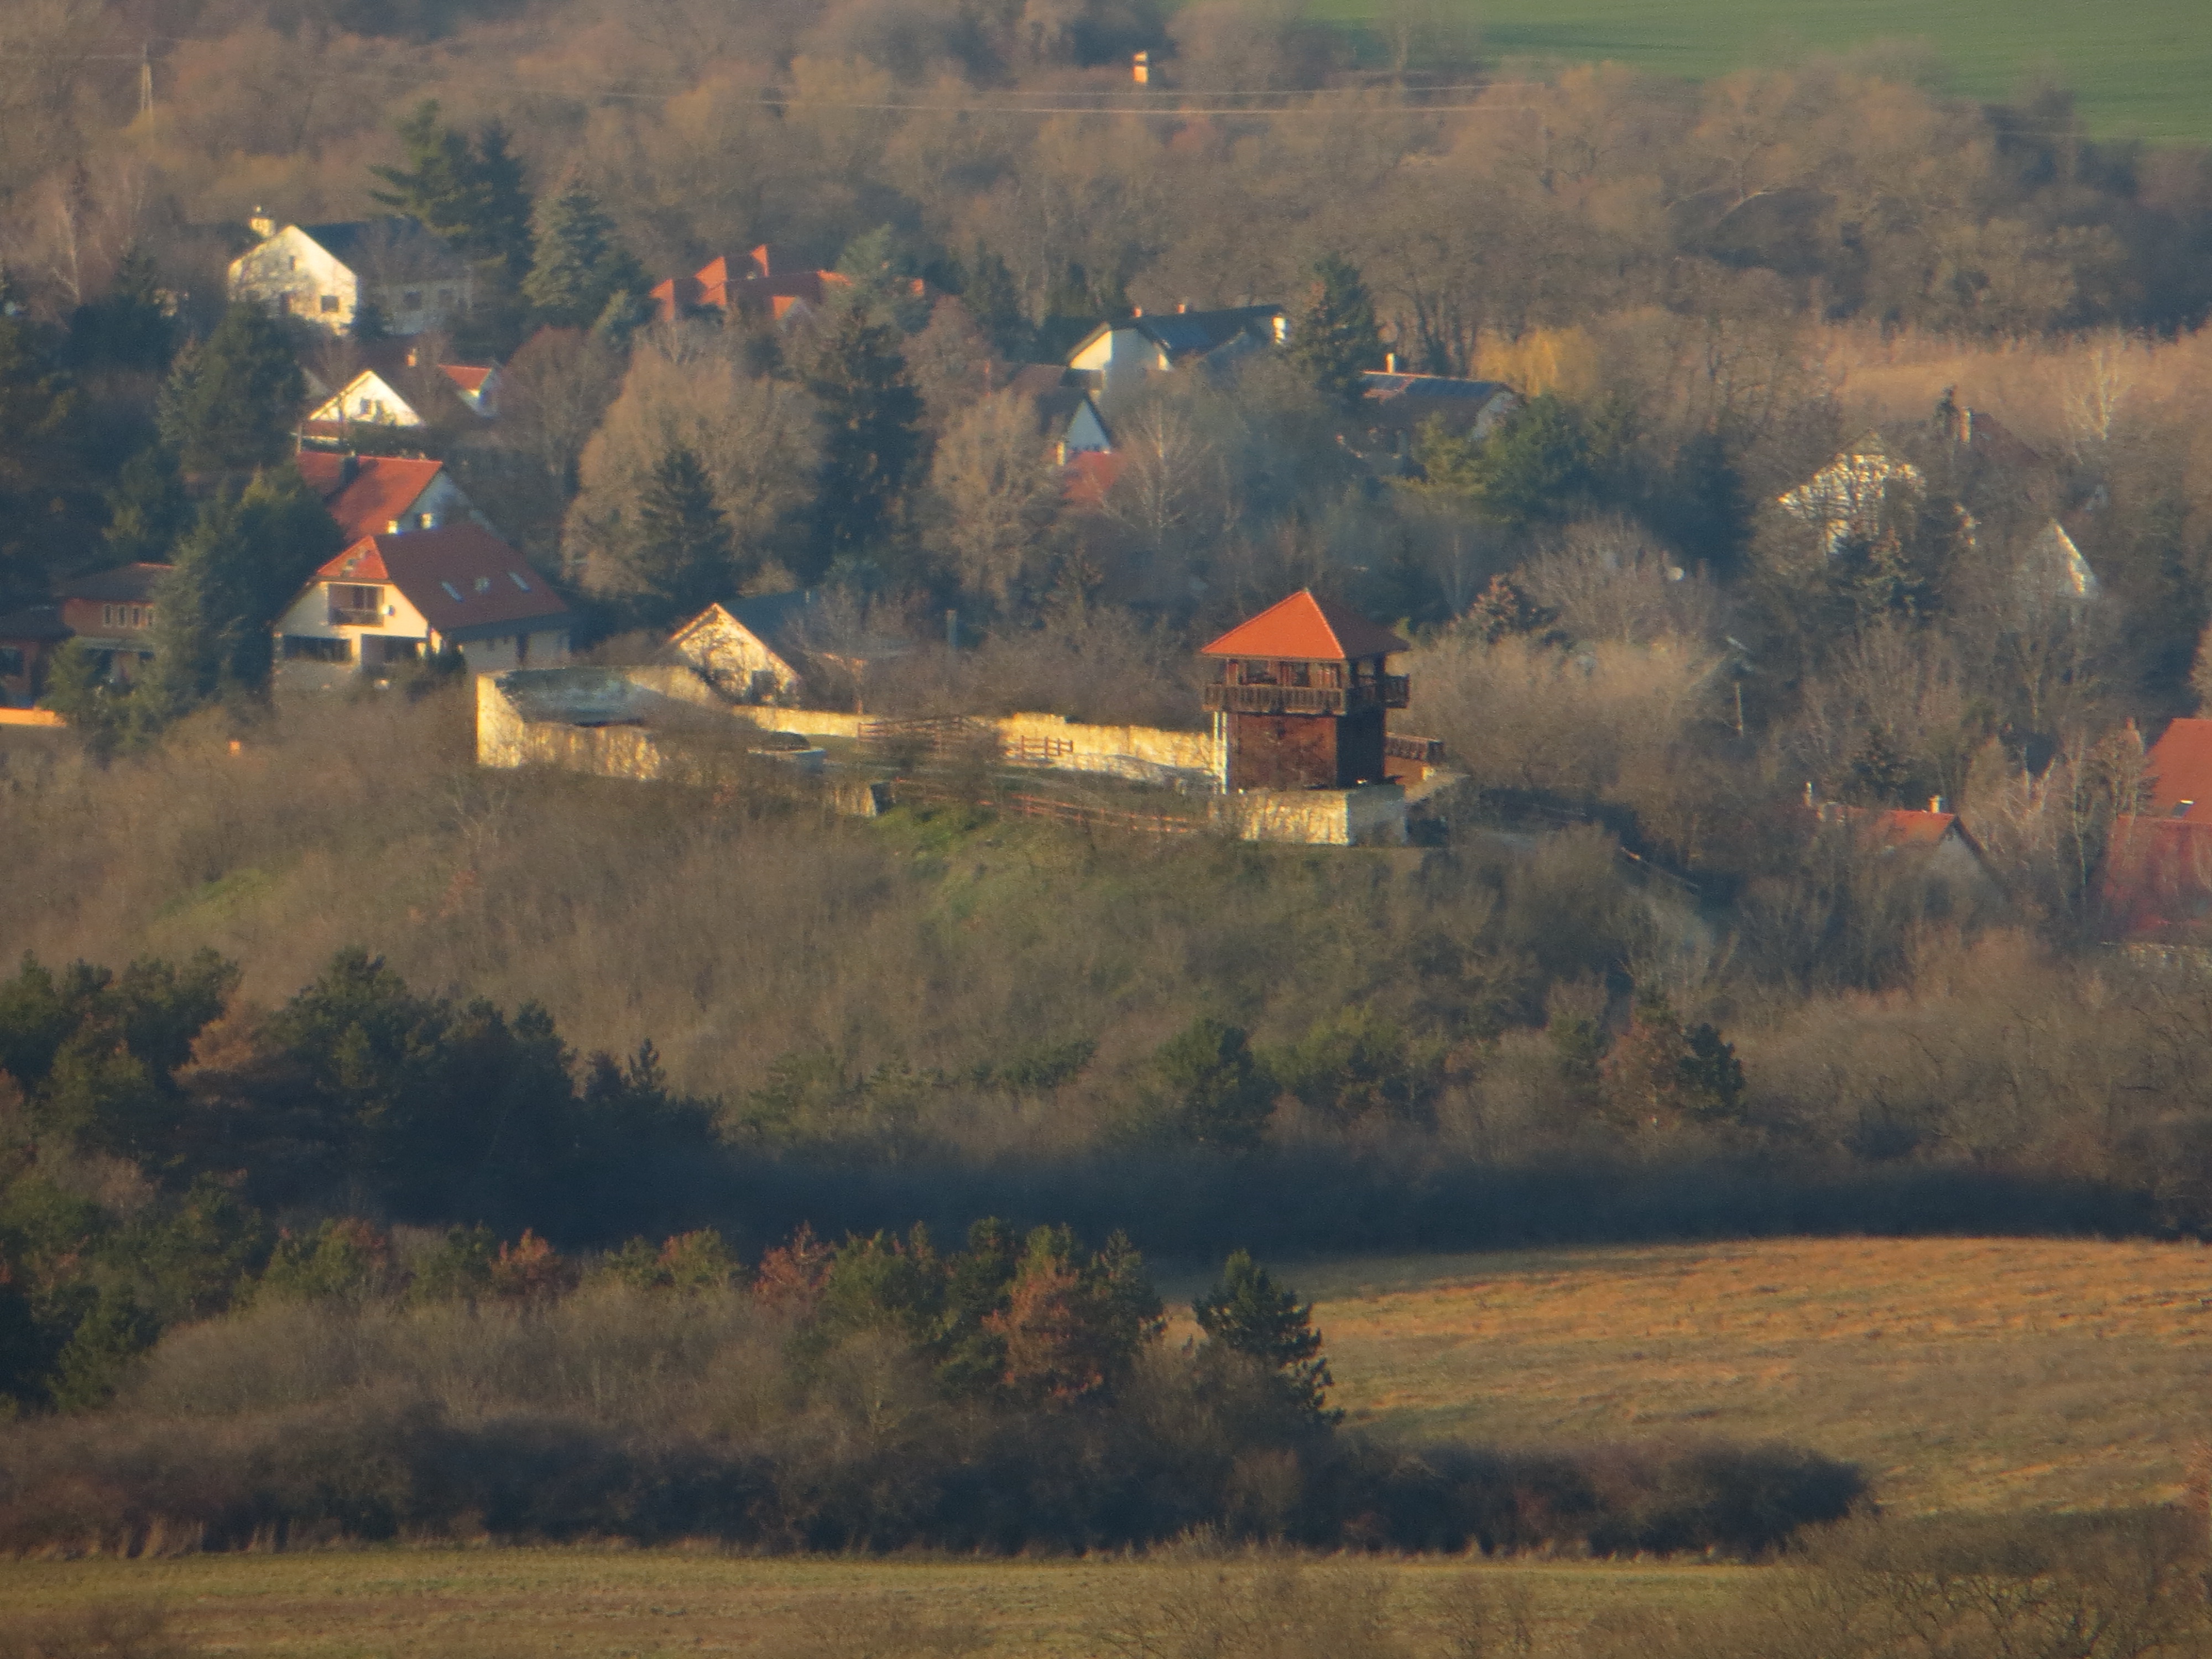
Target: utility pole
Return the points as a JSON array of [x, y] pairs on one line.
[[145, 78]]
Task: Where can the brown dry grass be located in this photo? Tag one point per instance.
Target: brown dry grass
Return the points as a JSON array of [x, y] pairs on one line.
[[496, 1603], [1962, 1374]]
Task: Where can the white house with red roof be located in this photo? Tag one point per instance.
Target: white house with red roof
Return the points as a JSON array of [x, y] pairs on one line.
[[400, 597], [374, 397], [385, 495]]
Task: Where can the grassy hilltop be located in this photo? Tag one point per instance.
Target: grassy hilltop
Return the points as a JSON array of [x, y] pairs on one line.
[[2138, 70]]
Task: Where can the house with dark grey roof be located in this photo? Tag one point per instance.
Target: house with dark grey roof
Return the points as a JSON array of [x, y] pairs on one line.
[[1067, 415], [322, 275], [1117, 357]]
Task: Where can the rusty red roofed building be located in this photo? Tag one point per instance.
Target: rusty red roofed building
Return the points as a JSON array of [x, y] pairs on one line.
[[1300, 693], [384, 495], [767, 283]]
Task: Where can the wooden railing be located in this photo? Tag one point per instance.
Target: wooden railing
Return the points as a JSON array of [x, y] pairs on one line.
[[1388, 692], [348, 616], [1429, 751]]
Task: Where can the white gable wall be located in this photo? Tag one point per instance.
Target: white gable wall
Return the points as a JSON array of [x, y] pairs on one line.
[[369, 396], [291, 275]]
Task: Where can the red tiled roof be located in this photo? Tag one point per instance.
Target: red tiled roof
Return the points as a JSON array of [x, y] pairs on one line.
[[1089, 474], [1309, 626], [464, 580], [2178, 769], [366, 493], [2156, 882], [467, 376], [1904, 828]]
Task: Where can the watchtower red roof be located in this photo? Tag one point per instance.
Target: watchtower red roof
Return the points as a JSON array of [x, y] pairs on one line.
[[1308, 627], [2178, 770]]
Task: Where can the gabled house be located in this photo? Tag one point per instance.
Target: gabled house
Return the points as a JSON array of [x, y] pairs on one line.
[[767, 282], [323, 275], [1116, 358], [386, 396], [748, 649], [112, 610], [1844, 499], [1396, 403], [1067, 415], [395, 598], [384, 495]]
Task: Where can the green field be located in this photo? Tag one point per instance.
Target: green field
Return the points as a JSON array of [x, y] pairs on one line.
[[2140, 68]]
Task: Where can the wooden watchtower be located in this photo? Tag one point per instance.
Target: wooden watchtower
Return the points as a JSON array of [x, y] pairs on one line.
[[1299, 693]]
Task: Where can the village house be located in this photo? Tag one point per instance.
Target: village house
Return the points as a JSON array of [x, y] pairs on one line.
[[392, 396], [1394, 406], [1116, 360], [388, 494], [395, 598], [323, 275], [112, 610], [768, 283], [1068, 415], [747, 650]]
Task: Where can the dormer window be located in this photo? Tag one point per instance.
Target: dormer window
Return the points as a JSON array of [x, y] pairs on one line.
[[452, 592], [515, 576]]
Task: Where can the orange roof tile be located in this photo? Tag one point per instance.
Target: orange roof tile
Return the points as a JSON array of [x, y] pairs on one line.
[[2156, 882], [2178, 770], [466, 376], [366, 493], [1905, 827], [1309, 626]]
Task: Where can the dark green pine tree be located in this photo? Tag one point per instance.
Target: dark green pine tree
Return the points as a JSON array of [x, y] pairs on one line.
[[147, 507], [1536, 469], [48, 505], [1249, 1313], [246, 558], [1216, 1093], [872, 438], [996, 303], [683, 558], [578, 262], [231, 401], [1334, 335], [126, 328], [472, 195]]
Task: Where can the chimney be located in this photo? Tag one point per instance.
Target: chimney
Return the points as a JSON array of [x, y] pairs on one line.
[[1136, 311], [1935, 803], [1808, 793], [413, 357], [261, 224], [1282, 328], [1182, 306], [393, 526], [1389, 363], [1140, 68]]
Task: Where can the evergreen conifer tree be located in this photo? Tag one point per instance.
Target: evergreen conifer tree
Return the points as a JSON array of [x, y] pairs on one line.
[[245, 558], [147, 507], [231, 400], [472, 195], [43, 451], [996, 303], [873, 439], [683, 558], [126, 328], [1249, 1313], [1334, 335], [578, 264]]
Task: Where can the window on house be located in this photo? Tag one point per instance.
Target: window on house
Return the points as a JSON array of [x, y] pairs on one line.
[[108, 615], [11, 662], [134, 622], [521, 648], [330, 303], [515, 576], [307, 647], [412, 299], [450, 589], [445, 296], [356, 605]]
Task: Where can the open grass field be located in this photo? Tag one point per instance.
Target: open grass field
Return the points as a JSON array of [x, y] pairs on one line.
[[1967, 1374], [2139, 67], [495, 1604], [1983, 1375]]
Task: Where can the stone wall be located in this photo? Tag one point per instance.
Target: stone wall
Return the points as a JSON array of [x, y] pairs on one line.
[[1373, 815]]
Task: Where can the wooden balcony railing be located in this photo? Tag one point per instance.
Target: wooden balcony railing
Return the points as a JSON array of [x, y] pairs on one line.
[[1388, 692], [347, 616], [1429, 751]]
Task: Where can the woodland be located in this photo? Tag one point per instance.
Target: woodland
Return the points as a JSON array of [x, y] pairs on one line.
[[368, 1113]]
